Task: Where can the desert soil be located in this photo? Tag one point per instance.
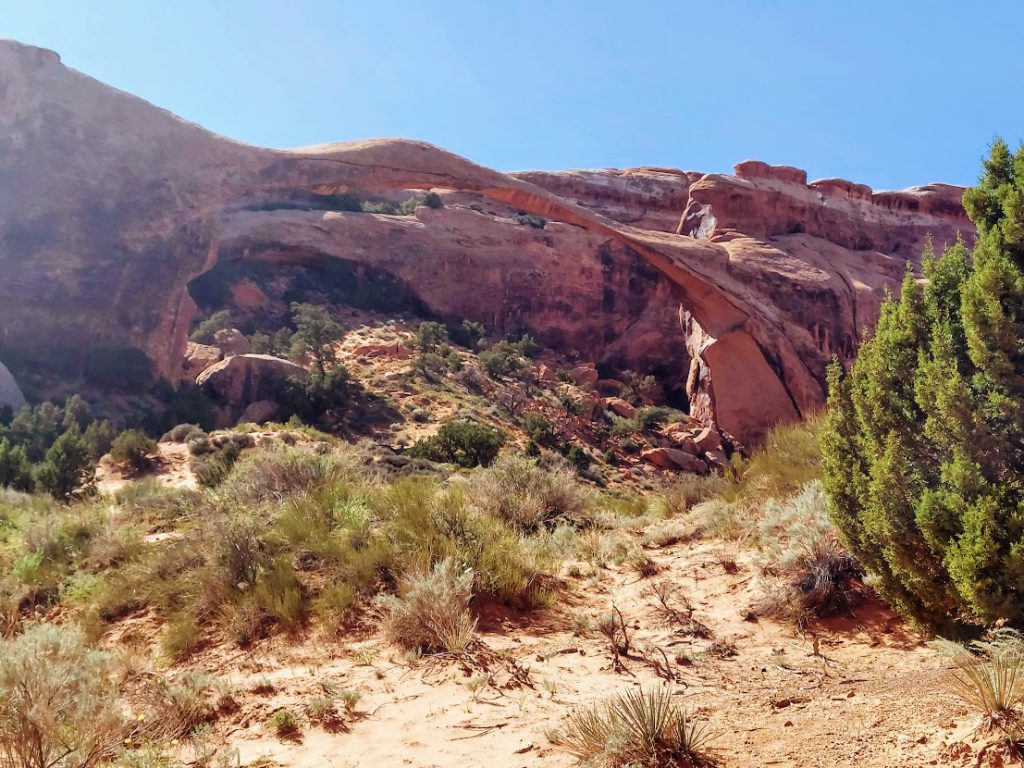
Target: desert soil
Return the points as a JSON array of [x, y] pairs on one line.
[[862, 691]]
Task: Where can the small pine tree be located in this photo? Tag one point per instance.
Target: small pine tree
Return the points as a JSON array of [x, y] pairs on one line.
[[67, 470], [15, 470]]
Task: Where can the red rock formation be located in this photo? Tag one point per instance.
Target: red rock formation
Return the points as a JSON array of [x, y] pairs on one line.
[[109, 208]]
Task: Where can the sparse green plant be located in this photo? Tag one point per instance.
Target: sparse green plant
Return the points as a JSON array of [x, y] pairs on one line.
[[284, 724]]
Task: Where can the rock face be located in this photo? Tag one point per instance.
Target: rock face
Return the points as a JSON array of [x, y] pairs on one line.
[[734, 290], [240, 380], [10, 392]]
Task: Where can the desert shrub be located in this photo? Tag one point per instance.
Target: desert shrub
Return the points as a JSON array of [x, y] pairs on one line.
[[652, 416], [532, 220], [635, 728], [212, 469], [466, 334], [807, 570], [276, 474], [409, 206], [502, 359], [182, 433], [540, 430], [181, 636], [131, 449], [207, 329], [320, 392], [384, 207], [433, 200], [527, 497], [279, 594], [431, 612], [175, 707], [989, 678], [57, 704], [465, 443]]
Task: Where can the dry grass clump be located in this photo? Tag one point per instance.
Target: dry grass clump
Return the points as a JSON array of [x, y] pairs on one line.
[[688, 489], [278, 473], [431, 612], [989, 678], [58, 706], [808, 573], [516, 490], [789, 459], [636, 728]]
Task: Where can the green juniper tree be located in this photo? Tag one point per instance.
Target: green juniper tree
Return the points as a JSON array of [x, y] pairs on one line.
[[315, 333], [923, 449]]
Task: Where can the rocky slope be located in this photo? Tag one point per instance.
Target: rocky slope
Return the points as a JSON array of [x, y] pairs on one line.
[[735, 289]]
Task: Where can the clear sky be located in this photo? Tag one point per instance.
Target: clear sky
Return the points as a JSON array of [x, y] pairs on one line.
[[887, 93]]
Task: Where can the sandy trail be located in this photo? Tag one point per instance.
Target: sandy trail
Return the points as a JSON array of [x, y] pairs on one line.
[[873, 696]]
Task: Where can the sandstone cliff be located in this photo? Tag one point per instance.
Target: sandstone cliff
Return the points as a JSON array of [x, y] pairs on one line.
[[737, 288]]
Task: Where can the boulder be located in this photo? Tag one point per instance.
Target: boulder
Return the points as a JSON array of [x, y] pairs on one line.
[[619, 406], [231, 341], [259, 412], [583, 375], [718, 460], [199, 357], [684, 442], [673, 459], [10, 392], [708, 440], [242, 379], [384, 351]]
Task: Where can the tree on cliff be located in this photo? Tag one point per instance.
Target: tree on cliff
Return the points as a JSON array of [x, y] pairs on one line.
[[315, 333], [923, 448]]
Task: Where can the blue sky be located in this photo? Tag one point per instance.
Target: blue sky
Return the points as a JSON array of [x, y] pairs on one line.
[[886, 93]]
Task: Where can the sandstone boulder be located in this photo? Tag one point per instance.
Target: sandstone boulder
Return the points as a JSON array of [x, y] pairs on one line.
[[385, 351], [684, 442], [259, 412], [619, 407], [583, 375], [708, 440], [243, 379], [231, 341], [10, 392], [673, 459], [717, 459], [199, 357]]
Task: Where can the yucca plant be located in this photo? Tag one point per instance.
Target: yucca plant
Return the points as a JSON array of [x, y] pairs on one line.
[[643, 728], [989, 677]]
